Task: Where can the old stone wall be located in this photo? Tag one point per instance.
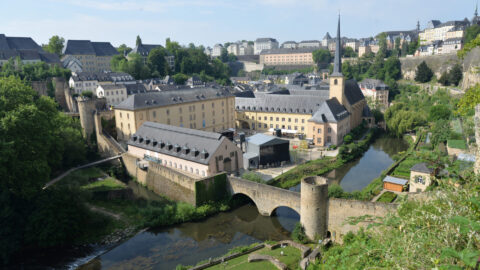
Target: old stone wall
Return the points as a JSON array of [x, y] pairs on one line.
[[107, 146], [265, 197], [40, 87], [86, 109], [341, 210], [444, 62], [60, 84]]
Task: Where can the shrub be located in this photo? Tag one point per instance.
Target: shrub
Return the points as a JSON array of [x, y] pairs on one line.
[[335, 191], [298, 234], [348, 139], [252, 176], [424, 73]]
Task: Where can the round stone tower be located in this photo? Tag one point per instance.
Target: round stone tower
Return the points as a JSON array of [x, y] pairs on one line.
[[86, 109], [313, 206]]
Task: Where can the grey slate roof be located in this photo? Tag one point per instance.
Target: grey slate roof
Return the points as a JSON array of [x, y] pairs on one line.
[[395, 180], [144, 49], [330, 111], [287, 51], [373, 84], [135, 88], [25, 48], [279, 103], [421, 167], [265, 40], [327, 36], [173, 141], [164, 98], [310, 41], [18, 43], [262, 139], [353, 92], [102, 76], [87, 47]]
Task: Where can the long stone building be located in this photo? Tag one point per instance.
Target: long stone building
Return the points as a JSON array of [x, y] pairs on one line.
[[93, 56], [193, 152], [204, 108]]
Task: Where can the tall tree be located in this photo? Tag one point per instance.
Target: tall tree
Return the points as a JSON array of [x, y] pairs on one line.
[[138, 42], [424, 73], [55, 45], [471, 33], [124, 49], [157, 63], [455, 75]]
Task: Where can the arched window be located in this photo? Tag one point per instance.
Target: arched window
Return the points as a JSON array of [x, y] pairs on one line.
[[335, 82]]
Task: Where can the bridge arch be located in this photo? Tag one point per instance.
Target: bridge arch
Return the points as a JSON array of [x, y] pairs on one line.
[[272, 213]]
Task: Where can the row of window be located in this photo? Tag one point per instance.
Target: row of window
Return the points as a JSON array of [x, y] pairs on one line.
[[278, 126], [277, 119], [176, 166], [319, 130]]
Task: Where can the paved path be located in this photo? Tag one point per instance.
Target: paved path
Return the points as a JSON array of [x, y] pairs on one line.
[[60, 177], [103, 211]]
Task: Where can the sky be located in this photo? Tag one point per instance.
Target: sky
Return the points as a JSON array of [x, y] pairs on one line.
[[207, 22]]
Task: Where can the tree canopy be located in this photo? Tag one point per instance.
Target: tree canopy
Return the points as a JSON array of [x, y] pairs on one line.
[[55, 45], [322, 57], [472, 32], [424, 73]]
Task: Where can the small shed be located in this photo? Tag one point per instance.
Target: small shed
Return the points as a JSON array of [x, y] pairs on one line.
[[394, 183], [270, 150]]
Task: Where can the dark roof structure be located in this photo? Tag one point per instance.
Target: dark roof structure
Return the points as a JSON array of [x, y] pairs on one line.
[[265, 40], [189, 144], [87, 47], [102, 76], [164, 98], [353, 92], [327, 36], [330, 111], [422, 167], [373, 84], [144, 49], [25, 48], [280, 103]]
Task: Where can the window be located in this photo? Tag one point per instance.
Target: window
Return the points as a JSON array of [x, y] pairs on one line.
[[203, 106], [277, 118], [419, 179], [181, 119], [296, 128], [259, 125], [128, 116], [319, 140], [265, 118], [141, 116], [329, 130], [180, 110], [232, 154], [168, 121], [289, 120], [264, 125], [319, 131], [271, 118], [168, 112], [213, 105], [220, 157], [271, 125], [276, 126], [329, 139], [283, 119], [128, 126], [296, 120], [303, 128], [121, 125], [154, 114], [303, 121]]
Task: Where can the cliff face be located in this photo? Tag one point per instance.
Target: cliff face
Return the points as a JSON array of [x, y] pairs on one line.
[[442, 63]]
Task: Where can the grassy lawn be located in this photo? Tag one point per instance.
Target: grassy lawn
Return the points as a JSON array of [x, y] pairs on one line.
[[291, 258], [458, 144], [105, 185], [310, 168], [387, 197]]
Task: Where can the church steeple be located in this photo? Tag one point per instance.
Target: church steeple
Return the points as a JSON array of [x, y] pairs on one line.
[[337, 62], [337, 81], [476, 10]]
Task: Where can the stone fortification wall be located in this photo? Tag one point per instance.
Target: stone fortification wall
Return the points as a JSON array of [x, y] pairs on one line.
[[340, 210], [86, 109], [444, 62], [314, 201], [107, 146]]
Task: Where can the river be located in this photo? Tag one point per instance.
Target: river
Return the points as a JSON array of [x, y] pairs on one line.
[[192, 242]]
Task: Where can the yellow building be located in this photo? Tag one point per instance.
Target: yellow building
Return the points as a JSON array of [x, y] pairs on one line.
[[287, 57], [93, 56], [206, 109]]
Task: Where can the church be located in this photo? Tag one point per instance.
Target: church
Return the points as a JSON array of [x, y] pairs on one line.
[[345, 109]]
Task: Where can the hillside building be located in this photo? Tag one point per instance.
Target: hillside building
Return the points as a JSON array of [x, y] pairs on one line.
[[94, 56], [26, 49], [264, 44]]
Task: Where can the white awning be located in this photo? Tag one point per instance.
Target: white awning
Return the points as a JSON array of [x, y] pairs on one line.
[[289, 131]]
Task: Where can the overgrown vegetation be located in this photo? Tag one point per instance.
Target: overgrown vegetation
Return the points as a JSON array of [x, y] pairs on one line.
[[387, 197]]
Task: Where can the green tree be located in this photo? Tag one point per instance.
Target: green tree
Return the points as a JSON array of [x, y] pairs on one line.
[[455, 75], [138, 41], [224, 55], [298, 234], [157, 63], [438, 112], [471, 33], [349, 52], [124, 49], [322, 57], [413, 46], [468, 102], [393, 68], [468, 47], [180, 78], [424, 73], [444, 79], [404, 50], [55, 45]]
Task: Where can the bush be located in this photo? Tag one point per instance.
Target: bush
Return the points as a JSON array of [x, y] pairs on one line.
[[88, 94], [347, 139], [252, 176], [335, 191], [298, 234]]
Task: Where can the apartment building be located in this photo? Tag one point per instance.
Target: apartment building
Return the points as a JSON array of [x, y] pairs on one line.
[[376, 93], [439, 31], [264, 44], [89, 81], [202, 108], [94, 56], [310, 44], [116, 93], [290, 45], [285, 57]]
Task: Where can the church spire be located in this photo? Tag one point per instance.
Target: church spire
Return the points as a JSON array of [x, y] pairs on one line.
[[337, 63], [476, 9]]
